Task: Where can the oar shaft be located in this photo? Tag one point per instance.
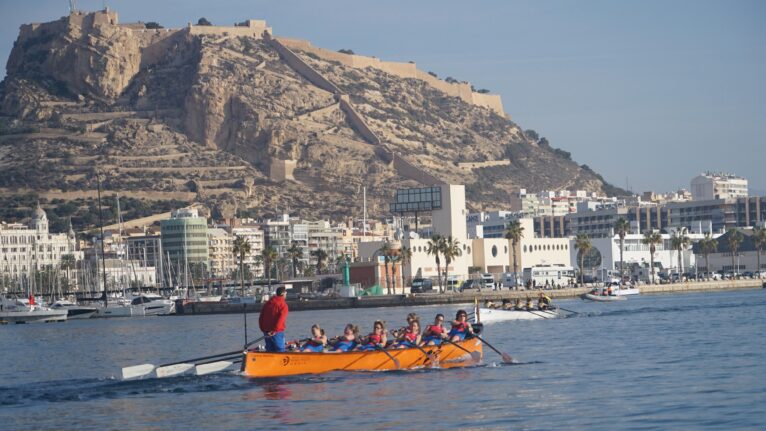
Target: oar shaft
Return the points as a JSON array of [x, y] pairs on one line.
[[490, 346], [202, 358], [226, 358]]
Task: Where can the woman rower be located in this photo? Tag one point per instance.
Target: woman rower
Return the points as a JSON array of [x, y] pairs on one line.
[[433, 334], [397, 333], [410, 337], [347, 341], [460, 327], [377, 339], [317, 342]]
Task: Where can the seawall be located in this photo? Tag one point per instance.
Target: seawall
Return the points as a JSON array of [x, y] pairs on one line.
[[453, 298]]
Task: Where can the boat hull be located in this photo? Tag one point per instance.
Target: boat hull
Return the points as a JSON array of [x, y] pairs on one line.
[[626, 292], [35, 316], [600, 298], [491, 315], [267, 364]]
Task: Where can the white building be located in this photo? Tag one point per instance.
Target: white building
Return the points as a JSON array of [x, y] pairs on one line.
[[220, 252], [605, 256], [710, 186], [24, 249], [249, 229]]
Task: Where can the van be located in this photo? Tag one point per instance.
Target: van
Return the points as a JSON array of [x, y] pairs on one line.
[[488, 281], [422, 285], [471, 285], [508, 281], [453, 283]]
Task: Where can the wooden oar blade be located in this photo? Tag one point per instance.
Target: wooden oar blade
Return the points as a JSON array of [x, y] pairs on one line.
[[213, 367], [476, 356], [137, 371], [507, 358], [173, 370]]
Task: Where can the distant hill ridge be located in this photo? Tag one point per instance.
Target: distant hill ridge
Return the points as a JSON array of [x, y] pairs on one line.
[[241, 120]]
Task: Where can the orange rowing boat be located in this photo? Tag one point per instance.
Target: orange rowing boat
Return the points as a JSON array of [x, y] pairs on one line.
[[269, 364]]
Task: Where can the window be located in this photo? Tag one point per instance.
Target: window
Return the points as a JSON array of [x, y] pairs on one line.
[[494, 251]]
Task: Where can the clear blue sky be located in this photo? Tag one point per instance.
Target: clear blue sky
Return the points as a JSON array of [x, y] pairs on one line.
[[649, 91]]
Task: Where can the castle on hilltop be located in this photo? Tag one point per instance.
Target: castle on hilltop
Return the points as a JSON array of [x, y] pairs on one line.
[[259, 29]]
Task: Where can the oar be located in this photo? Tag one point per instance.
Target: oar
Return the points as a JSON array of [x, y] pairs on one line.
[[431, 357], [216, 366], [570, 311], [506, 357], [540, 315], [174, 368], [396, 361], [476, 356]]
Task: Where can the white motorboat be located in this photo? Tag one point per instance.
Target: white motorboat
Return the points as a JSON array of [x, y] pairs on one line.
[[144, 304], [491, 315], [623, 290], [74, 311], [602, 295], [13, 310]]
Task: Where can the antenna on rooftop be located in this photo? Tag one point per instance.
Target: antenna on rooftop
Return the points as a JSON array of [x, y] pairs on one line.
[[72, 6]]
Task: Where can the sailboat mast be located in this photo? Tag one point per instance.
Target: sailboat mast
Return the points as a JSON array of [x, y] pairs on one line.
[[101, 222]]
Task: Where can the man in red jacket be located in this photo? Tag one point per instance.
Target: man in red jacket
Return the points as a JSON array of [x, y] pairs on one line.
[[272, 321]]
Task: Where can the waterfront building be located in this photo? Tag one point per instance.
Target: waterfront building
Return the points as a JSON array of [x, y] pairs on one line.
[[184, 238], [145, 246], [125, 274], [221, 258], [250, 230], [604, 257], [716, 185], [24, 249], [281, 233], [721, 259]]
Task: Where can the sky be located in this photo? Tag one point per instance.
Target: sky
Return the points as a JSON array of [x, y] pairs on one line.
[[647, 93]]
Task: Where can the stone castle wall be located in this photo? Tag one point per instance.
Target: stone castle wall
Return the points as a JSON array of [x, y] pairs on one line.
[[475, 165], [403, 70]]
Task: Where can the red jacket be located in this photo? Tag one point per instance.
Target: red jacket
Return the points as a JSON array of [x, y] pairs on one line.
[[273, 315]]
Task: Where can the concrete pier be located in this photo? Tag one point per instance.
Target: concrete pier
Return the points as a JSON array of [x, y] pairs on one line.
[[452, 298]]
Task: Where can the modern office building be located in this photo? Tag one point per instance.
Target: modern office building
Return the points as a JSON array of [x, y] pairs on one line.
[[220, 253], [184, 238]]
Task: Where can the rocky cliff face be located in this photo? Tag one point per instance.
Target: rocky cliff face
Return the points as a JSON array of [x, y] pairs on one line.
[[176, 115]]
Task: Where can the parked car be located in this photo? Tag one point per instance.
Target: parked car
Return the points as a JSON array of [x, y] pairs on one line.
[[422, 285], [471, 285], [453, 283], [748, 274]]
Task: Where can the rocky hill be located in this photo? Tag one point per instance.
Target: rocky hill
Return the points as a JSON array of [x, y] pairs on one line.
[[239, 119]]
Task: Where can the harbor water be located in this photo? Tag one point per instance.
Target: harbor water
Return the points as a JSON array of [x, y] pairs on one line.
[[680, 361]]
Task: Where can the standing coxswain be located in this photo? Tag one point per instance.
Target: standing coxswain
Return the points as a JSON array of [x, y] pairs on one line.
[[272, 321]]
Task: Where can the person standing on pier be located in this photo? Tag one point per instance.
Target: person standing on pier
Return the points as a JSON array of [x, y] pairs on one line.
[[272, 321]]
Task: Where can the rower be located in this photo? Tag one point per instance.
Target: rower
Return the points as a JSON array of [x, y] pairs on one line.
[[396, 333], [377, 338], [543, 302], [347, 341], [460, 327], [317, 342], [518, 306], [433, 334], [410, 337]]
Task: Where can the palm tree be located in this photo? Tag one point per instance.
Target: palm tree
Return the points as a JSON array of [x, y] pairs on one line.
[[679, 241], [652, 239], [708, 245], [269, 255], [68, 262], [402, 258], [283, 263], [434, 248], [735, 239], [583, 244], [240, 249], [450, 250], [295, 252], [759, 239], [320, 256], [621, 228], [386, 251], [514, 232]]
